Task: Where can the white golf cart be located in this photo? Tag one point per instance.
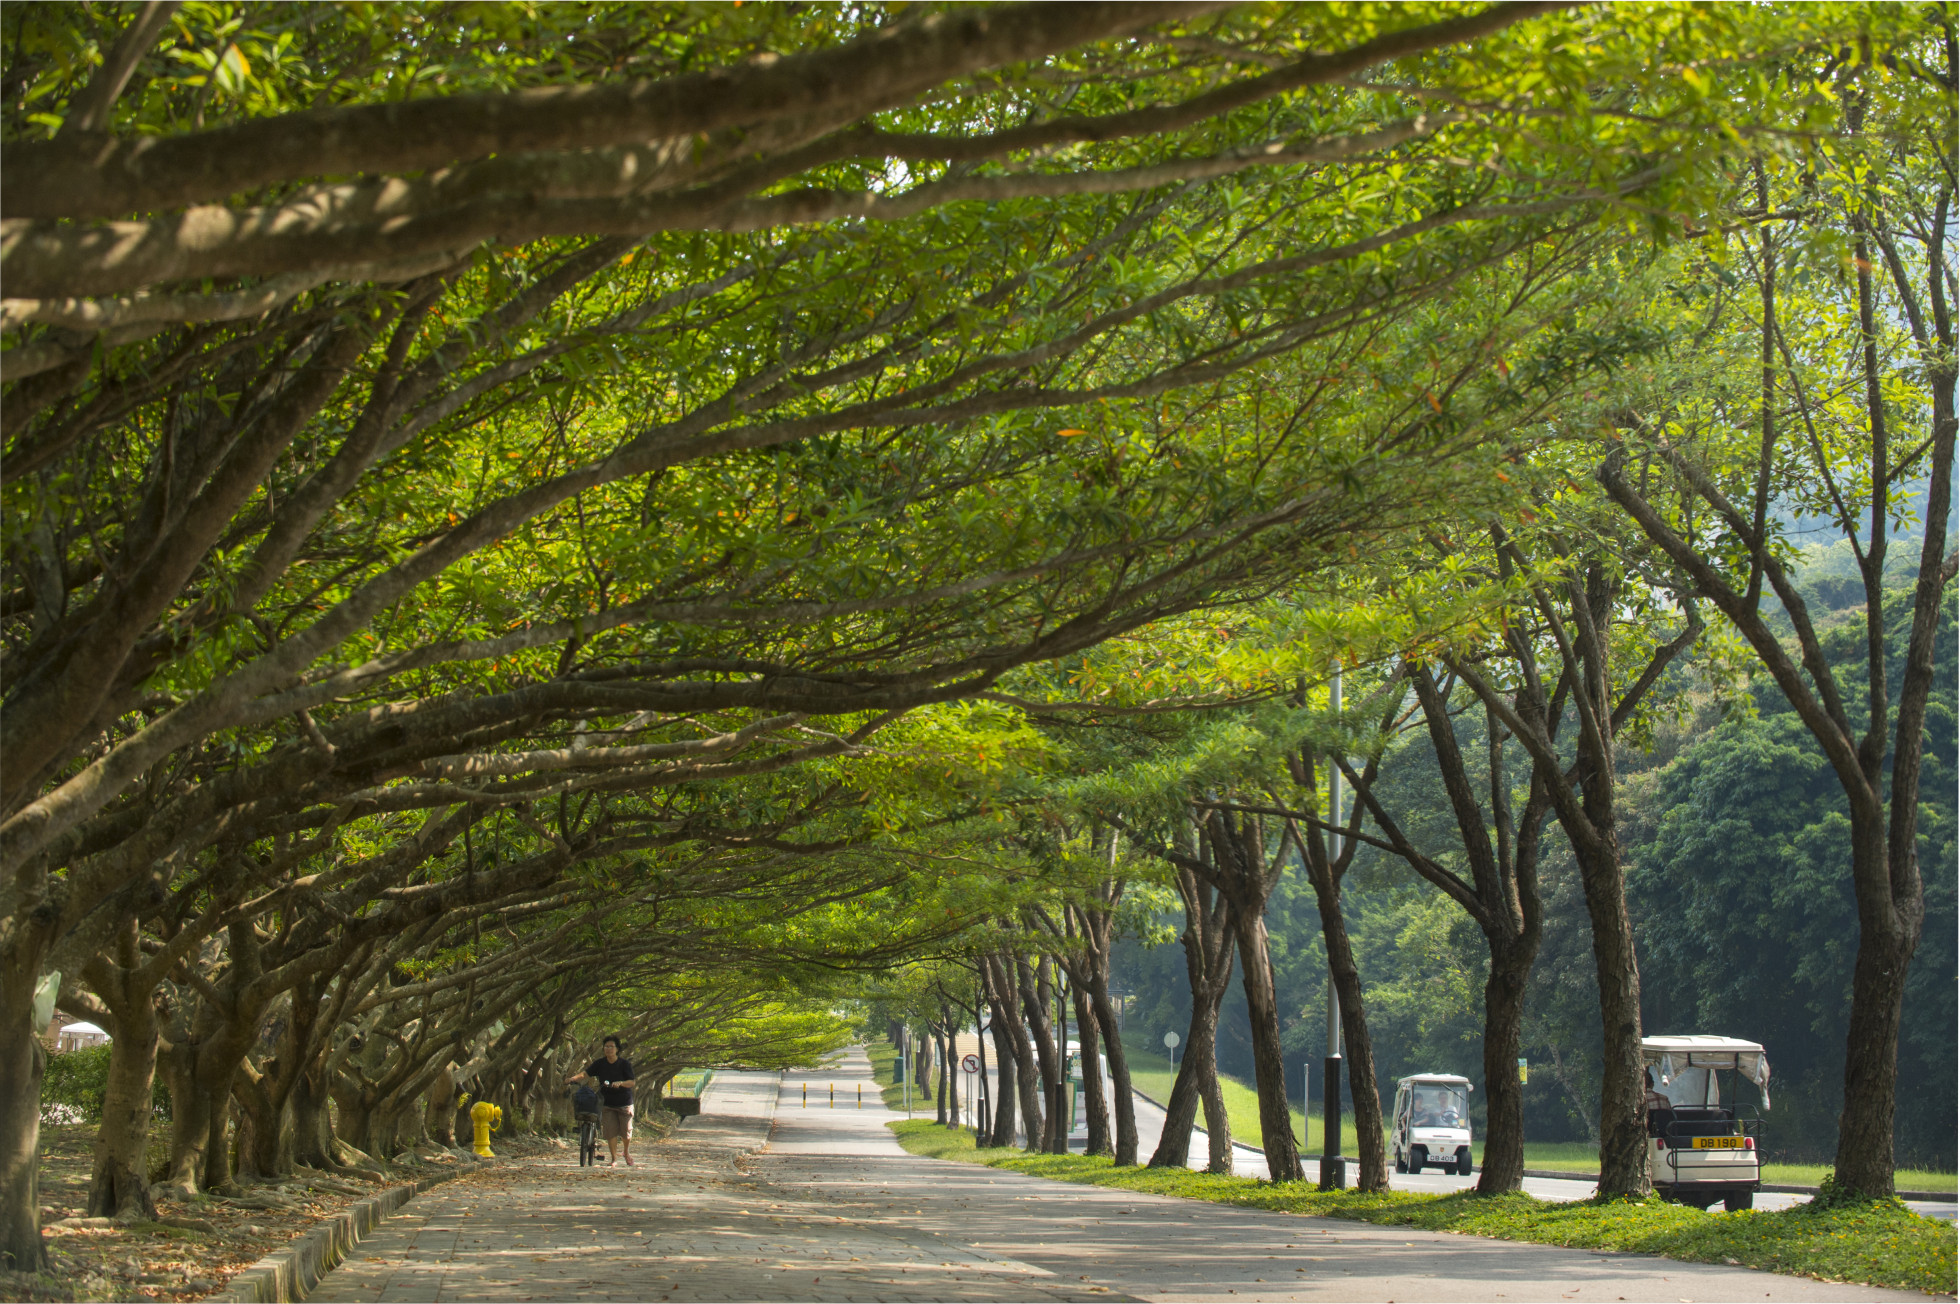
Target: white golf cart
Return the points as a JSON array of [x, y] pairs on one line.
[[1432, 1123], [1701, 1139]]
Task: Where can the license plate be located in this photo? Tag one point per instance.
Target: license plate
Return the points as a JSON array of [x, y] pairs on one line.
[[1718, 1143]]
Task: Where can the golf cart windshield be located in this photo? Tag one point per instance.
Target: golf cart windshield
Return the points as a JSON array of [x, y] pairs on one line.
[[1692, 1086], [1439, 1104]]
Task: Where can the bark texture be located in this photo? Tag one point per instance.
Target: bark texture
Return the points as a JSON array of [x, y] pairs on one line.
[[1208, 952], [1238, 866], [1094, 1090]]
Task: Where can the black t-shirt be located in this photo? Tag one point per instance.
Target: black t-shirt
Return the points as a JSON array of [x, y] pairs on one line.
[[620, 1070]]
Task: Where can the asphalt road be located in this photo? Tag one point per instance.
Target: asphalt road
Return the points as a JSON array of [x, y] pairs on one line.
[[761, 1199]]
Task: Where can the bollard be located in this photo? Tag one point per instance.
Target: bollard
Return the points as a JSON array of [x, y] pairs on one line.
[[860, 1095], [482, 1115], [806, 1095], [833, 1095]]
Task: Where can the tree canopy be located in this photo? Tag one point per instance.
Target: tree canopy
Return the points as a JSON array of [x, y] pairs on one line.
[[523, 521]]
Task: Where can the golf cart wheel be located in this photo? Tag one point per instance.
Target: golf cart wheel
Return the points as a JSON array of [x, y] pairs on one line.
[[1418, 1158], [1463, 1164], [1401, 1164], [1739, 1201]]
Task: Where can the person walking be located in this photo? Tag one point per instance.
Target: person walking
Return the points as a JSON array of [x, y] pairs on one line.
[[615, 1076]]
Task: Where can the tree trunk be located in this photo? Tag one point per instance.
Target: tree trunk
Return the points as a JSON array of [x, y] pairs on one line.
[[1622, 1094], [922, 1068], [119, 1184], [1041, 1029], [1196, 1086], [932, 1039], [1208, 952], [1888, 934], [1004, 1064], [21, 1064], [1119, 1069], [260, 1122], [1004, 981], [947, 1103], [190, 1120], [1269, 1067], [216, 1172], [353, 1112], [1095, 1096], [1504, 993], [1369, 1147], [313, 1139], [442, 1106]]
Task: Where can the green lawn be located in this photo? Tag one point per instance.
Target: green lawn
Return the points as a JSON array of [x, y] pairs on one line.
[[883, 1059], [1881, 1244], [1151, 1074], [689, 1082]]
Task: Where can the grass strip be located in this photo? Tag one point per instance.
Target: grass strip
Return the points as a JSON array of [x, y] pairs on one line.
[[884, 1066], [688, 1082], [1877, 1244]]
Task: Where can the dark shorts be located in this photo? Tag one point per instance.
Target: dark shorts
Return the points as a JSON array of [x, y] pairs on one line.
[[616, 1124]]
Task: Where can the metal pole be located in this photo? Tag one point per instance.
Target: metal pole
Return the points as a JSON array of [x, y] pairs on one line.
[[984, 1102], [1333, 1170], [1063, 1126]]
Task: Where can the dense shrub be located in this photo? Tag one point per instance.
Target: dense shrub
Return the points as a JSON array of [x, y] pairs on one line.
[[74, 1082], [72, 1086]]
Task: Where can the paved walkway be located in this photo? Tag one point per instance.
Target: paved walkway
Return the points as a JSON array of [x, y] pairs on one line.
[[832, 1209]]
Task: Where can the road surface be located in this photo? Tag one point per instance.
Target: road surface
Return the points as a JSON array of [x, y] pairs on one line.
[[833, 1209]]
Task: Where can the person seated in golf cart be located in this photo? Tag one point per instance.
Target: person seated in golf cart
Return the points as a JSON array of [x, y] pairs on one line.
[[1436, 1109], [1701, 1138], [1431, 1126]]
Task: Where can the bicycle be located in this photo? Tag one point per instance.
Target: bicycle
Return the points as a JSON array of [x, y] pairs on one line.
[[585, 1105]]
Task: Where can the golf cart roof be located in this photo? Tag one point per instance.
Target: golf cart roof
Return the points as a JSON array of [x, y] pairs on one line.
[[1674, 1054], [1432, 1077], [1654, 1047]]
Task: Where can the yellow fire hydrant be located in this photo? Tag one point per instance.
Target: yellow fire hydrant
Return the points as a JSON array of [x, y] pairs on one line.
[[487, 1119]]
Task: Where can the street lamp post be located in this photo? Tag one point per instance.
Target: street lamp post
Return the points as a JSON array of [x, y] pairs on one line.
[[1333, 1169]]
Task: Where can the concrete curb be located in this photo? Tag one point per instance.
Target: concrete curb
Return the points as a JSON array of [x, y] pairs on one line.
[[286, 1276]]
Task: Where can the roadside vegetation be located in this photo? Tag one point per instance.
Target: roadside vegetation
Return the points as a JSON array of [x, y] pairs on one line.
[[1875, 1243]]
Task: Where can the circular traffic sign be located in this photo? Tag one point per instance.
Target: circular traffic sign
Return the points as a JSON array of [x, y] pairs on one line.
[[1170, 1041], [970, 1064]]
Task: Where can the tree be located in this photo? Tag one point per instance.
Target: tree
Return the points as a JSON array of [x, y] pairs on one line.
[[1740, 888], [1869, 421], [1578, 598], [1500, 844]]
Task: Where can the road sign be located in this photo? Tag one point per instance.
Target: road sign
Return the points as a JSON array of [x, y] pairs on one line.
[[1170, 1041], [969, 1064]]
